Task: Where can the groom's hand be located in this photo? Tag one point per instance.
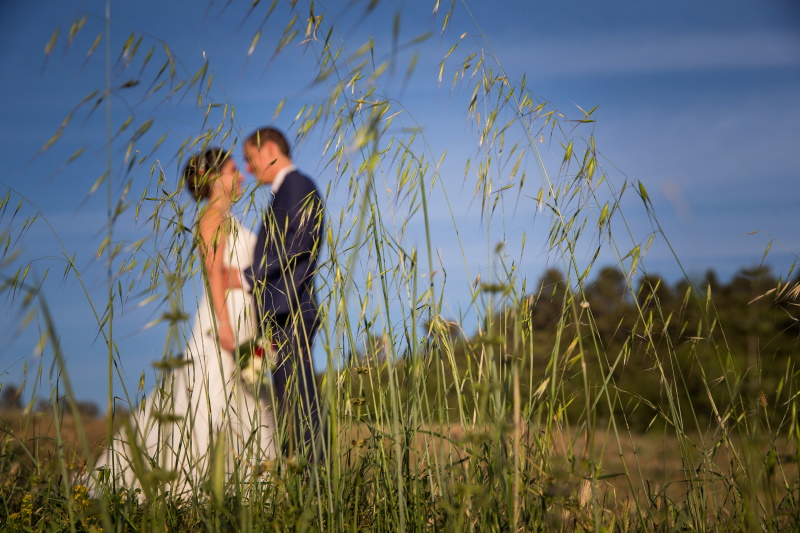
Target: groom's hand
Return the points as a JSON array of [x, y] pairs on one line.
[[233, 276]]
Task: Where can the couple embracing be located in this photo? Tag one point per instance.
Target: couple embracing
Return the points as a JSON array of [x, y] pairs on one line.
[[257, 286]]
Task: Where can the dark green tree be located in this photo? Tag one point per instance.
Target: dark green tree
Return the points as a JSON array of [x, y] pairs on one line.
[[549, 300], [609, 300]]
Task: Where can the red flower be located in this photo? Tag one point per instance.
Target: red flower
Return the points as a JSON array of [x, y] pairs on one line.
[[259, 352]]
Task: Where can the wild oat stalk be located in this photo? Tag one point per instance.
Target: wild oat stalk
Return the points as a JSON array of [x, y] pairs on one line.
[[433, 426]]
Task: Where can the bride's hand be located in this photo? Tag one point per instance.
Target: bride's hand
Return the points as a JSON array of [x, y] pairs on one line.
[[227, 341], [234, 278]]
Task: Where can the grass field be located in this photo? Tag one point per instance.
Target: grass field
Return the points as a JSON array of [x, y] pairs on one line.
[[581, 488]]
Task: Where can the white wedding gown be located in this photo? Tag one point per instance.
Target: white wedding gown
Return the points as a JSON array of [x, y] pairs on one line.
[[202, 424]]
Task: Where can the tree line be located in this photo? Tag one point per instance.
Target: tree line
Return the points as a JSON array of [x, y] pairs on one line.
[[720, 347], [648, 350]]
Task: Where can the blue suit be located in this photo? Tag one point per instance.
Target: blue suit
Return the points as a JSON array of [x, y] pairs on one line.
[[282, 281]]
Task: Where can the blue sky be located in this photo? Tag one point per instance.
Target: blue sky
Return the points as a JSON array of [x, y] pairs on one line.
[[696, 100]]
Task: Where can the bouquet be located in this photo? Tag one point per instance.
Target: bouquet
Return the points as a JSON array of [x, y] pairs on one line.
[[255, 357]]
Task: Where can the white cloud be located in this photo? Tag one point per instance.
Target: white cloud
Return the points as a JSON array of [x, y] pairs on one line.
[[648, 52]]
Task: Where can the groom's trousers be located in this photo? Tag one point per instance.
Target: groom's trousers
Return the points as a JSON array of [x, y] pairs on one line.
[[295, 386]]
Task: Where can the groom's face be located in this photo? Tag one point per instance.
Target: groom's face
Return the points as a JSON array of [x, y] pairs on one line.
[[261, 161]]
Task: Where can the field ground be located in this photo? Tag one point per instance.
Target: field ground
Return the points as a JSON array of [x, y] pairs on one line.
[[653, 460]]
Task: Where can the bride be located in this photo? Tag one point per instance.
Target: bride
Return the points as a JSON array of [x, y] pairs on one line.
[[204, 419]]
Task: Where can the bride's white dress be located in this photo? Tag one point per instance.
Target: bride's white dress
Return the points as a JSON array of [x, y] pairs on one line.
[[202, 422]]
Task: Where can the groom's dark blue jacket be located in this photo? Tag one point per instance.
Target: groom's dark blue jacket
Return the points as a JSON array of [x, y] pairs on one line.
[[286, 252]]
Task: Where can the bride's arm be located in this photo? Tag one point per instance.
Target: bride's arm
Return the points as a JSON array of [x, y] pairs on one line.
[[212, 224]]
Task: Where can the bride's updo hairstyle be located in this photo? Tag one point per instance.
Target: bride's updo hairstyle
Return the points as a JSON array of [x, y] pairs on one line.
[[201, 169]]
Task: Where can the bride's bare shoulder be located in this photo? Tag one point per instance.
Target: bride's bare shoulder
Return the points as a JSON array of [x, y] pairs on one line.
[[212, 227]]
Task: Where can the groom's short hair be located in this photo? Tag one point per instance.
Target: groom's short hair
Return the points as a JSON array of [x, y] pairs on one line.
[[260, 136]]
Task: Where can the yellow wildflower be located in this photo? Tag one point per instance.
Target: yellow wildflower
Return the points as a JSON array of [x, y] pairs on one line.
[[80, 495]]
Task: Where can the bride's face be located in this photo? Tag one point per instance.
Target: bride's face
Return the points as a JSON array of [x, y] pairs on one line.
[[229, 180]]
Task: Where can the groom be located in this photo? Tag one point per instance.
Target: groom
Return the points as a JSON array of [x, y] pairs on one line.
[[281, 280]]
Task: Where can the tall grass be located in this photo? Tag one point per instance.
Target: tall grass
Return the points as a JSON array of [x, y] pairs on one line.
[[432, 426]]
